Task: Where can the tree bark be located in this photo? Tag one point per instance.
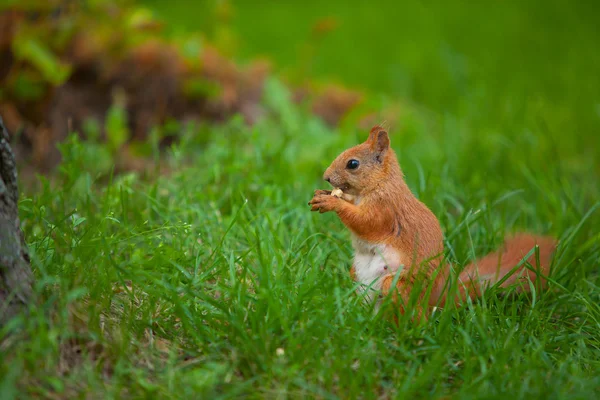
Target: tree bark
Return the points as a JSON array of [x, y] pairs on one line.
[[15, 272]]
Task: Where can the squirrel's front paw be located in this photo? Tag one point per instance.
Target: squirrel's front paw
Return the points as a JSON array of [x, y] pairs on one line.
[[323, 201]]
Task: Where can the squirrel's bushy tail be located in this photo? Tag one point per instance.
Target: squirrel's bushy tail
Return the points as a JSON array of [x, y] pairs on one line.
[[492, 268]]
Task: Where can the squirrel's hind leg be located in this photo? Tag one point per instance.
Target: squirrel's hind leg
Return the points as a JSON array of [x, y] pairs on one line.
[[401, 293]]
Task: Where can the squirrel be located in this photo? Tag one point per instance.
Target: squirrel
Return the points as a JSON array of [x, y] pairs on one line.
[[392, 229]]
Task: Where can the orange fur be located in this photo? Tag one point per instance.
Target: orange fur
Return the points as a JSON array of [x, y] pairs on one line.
[[492, 268], [384, 212], [352, 273]]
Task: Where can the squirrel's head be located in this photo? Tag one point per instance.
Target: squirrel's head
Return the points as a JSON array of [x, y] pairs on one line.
[[363, 167]]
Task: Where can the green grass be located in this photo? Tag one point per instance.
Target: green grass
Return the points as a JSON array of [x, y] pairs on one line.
[[215, 280]]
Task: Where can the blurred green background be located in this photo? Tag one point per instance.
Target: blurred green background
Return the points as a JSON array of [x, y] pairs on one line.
[[510, 65]]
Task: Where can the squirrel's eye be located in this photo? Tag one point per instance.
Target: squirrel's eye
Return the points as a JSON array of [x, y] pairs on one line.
[[352, 164]]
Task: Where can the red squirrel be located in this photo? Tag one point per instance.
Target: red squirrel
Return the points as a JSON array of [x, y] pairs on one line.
[[391, 228]]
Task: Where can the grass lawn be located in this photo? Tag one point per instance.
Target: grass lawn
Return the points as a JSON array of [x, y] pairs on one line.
[[213, 279]]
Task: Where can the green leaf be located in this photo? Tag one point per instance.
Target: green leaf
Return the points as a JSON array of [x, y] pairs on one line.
[[27, 86], [201, 88], [41, 57], [77, 221], [117, 131]]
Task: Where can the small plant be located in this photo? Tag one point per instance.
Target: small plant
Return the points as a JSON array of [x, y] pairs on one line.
[[117, 128]]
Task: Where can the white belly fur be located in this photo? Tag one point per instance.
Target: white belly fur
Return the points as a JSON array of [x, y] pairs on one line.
[[373, 261]]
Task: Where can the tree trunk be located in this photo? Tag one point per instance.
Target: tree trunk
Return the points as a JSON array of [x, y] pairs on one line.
[[15, 271]]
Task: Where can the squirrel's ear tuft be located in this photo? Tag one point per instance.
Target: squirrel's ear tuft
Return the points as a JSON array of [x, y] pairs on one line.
[[373, 134], [383, 142], [379, 141]]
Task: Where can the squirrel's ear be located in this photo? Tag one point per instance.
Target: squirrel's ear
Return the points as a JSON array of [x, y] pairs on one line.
[[373, 134], [380, 141]]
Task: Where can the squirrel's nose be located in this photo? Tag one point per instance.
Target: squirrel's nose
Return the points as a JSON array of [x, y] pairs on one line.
[[327, 177]]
